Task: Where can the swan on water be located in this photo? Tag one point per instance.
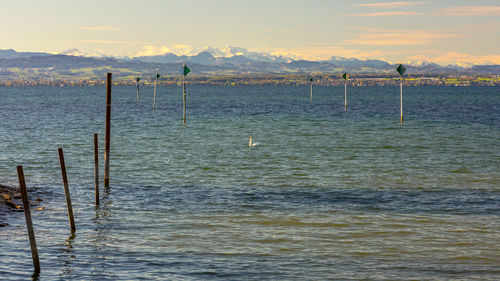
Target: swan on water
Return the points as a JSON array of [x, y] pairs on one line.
[[252, 144]]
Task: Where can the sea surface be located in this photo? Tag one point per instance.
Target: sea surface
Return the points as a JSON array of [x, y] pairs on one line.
[[332, 195]]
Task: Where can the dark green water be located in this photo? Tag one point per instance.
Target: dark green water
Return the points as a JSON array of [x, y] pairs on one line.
[[332, 194]]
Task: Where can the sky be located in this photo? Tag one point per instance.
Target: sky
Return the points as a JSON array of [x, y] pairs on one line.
[[441, 31]]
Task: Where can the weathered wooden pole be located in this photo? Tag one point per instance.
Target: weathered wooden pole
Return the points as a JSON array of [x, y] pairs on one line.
[[66, 191], [29, 223], [96, 169], [108, 130]]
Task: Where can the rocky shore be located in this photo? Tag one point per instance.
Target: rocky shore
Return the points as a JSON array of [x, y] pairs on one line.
[[10, 201]]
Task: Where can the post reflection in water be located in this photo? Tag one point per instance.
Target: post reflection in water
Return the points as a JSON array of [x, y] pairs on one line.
[[68, 256], [99, 238]]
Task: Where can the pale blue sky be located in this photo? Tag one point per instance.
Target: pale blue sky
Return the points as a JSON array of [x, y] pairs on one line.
[[445, 31]]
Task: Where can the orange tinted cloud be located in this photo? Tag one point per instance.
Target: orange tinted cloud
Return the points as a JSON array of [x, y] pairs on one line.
[[465, 59], [389, 4], [471, 11], [387, 14], [150, 50]]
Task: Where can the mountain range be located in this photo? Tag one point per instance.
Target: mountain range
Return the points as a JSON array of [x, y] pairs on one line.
[[233, 60]]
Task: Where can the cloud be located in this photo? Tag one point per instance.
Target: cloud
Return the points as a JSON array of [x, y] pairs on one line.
[[182, 49], [150, 50], [100, 28], [466, 59], [106, 42], [387, 14], [178, 49], [379, 37], [389, 4], [470, 11]]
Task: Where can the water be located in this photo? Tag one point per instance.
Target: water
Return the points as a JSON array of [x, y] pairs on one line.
[[332, 194]]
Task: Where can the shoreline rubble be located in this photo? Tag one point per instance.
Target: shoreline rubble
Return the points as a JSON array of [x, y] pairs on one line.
[[10, 201]]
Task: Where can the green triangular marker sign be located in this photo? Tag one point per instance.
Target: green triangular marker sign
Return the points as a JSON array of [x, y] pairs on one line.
[[157, 75], [137, 79], [401, 70], [312, 79], [345, 76], [186, 70]]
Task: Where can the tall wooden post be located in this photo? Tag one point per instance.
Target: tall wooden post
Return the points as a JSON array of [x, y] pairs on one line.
[[108, 130], [66, 191], [96, 169], [29, 223]]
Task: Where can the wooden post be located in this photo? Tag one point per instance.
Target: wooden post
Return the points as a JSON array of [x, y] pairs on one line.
[[184, 97], [66, 191], [96, 169], [108, 130], [401, 86], [29, 223]]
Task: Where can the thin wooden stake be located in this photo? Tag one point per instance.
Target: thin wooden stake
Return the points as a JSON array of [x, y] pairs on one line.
[[29, 223], [96, 169], [66, 191], [108, 130]]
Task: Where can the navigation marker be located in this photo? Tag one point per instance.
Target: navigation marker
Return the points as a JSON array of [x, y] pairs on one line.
[[401, 70], [137, 83], [185, 71], [312, 82], [156, 83], [345, 76]]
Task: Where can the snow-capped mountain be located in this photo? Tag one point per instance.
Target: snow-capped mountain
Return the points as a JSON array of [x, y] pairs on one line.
[[232, 60], [239, 51]]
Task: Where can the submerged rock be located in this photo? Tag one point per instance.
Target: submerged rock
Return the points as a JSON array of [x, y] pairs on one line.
[[10, 201]]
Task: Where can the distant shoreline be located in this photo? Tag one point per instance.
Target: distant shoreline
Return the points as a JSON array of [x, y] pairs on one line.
[[356, 80]]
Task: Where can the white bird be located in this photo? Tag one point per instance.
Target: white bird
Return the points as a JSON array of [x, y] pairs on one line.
[[250, 144]]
